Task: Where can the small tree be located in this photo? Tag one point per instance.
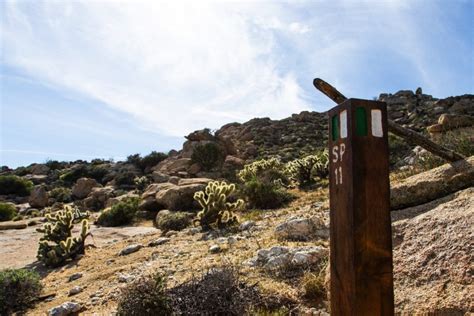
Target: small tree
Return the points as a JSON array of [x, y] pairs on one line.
[[207, 156]]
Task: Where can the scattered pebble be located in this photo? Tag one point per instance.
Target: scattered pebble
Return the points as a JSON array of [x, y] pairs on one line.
[[130, 249], [67, 308], [159, 241], [75, 290], [247, 225], [214, 249], [75, 276]]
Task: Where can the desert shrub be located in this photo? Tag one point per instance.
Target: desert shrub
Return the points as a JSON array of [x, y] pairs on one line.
[[146, 296], [7, 212], [148, 161], [207, 156], [217, 292], [57, 245], [265, 194], [22, 171], [215, 208], [61, 194], [54, 164], [125, 178], [18, 289], [313, 287], [174, 221], [15, 185], [308, 170], [120, 214], [18, 218], [398, 149], [97, 172], [71, 176]]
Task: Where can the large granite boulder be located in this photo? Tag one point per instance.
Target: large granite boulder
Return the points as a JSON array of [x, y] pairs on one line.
[[39, 197], [83, 187]]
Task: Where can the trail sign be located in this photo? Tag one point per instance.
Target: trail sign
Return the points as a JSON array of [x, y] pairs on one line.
[[361, 244]]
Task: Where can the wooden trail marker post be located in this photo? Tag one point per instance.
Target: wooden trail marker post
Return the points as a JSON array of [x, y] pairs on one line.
[[361, 239]]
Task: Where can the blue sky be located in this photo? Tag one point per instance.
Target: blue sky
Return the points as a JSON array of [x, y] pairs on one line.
[[85, 79]]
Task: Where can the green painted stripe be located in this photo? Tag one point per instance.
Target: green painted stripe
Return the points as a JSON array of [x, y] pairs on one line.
[[361, 121], [335, 127]]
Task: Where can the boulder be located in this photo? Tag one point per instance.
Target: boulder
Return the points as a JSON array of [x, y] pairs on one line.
[[114, 200], [279, 257], [39, 169], [448, 122], [302, 229], [39, 197], [159, 177], [98, 197], [148, 199], [83, 187], [433, 184], [179, 197], [130, 249], [200, 135], [173, 165], [67, 308]]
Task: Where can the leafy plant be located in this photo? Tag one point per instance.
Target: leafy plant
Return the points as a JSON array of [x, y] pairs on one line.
[[146, 296], [150, 160], [119, 214], [61, 194], [215, 208], [7, 212], [174, 221], [265, 194], [125, 178], [18, 289], [57, 245], [207, 156], [10, 184]]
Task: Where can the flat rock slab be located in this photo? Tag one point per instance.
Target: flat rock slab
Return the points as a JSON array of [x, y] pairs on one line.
[[18, 247]]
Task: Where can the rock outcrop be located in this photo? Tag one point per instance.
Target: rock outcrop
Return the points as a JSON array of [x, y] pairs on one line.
[[433, 184], [39, 197], [83, 187]]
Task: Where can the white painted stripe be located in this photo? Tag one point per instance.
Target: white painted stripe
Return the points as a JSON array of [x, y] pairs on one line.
[[376, 116], [343, 120]]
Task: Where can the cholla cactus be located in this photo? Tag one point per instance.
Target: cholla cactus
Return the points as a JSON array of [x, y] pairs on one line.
[[215, 208], [257, 167], [141, 183], [304, 171], [57, 244]]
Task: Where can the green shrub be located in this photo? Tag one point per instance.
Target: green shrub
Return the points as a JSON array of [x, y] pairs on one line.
[[61, 194], [96, 172], [207, 156], [120, 214], [306, 171], [15, 185], [18, 218], [18, 289], [54, 164], [7, 212], [174, 221], [125, 178], [265, 194], [57, 245], [215, 208], [146, 296], [150, 160]]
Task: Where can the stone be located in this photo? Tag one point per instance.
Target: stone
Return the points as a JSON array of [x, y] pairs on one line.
[[99, 198], [67, 308], [75, 290], [159, 241], [125, 278], [174, 180], [39, 197], [302, 229], [214, 249], [130, 249], [159, 177], [279, 257], [180, 197], [75, 276], [432, 184], [195, 168], [39, 169], [247, 225], [83, 187]]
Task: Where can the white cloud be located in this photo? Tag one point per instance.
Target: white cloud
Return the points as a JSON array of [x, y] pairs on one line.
[[174, 66], [177, 66]]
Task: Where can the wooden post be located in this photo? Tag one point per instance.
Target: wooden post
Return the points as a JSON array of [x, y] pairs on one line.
[[361, 239]]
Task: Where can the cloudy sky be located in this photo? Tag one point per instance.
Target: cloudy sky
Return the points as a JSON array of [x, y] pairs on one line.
[[96, 78]]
